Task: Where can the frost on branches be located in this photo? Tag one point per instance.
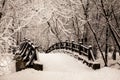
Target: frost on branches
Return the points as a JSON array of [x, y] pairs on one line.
[[17, 14]]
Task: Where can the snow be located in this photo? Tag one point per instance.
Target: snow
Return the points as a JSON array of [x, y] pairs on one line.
[[111, 63], [7, 64], [30, 74], [61, 62], [63, 67]]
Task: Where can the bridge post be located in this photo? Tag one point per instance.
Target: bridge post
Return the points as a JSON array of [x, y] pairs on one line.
[[66, 44], [72, 46], [89, 54], [80, 43], [114, 54], [57, 46], [61, 45]]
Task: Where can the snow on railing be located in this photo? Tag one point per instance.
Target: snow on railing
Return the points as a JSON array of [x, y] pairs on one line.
[[26, 55], [84, 52]]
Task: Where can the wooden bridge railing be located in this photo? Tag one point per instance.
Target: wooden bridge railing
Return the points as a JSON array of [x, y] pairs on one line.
[[79, 48], [85, 51], [26, 55]]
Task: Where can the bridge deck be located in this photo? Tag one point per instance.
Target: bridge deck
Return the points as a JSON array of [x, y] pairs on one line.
[[61, 62], [63, 67]]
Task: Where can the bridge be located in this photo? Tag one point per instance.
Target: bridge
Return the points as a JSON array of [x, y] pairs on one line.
[[84, 53], [26, 54]]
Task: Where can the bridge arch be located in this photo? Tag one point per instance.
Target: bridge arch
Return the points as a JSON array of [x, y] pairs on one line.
[[84, 53]]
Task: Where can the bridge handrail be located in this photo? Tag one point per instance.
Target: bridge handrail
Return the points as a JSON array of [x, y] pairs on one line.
[[26, 49], [79, 48]]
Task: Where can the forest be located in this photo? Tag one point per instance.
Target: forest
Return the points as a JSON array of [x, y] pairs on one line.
[[45, 22]]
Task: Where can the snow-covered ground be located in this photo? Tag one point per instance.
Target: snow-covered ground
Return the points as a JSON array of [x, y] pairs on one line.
[[61, 62], [63, 67], [30, 74], [7, 64]]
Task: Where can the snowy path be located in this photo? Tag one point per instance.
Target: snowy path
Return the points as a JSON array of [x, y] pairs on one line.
[[63, 67], [61, 62]]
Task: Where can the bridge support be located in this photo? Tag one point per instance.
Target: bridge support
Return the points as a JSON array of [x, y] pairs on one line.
[[89, 53], [96, 66]]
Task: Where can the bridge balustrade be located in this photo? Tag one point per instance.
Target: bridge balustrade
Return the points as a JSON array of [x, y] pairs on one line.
[[26, 56], [79, 48]]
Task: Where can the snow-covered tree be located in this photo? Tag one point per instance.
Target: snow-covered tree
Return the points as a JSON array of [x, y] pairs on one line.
[[16, 14]]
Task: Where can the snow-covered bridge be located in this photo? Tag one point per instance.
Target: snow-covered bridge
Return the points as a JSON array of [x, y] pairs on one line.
[[79, 51], [60, 66]]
